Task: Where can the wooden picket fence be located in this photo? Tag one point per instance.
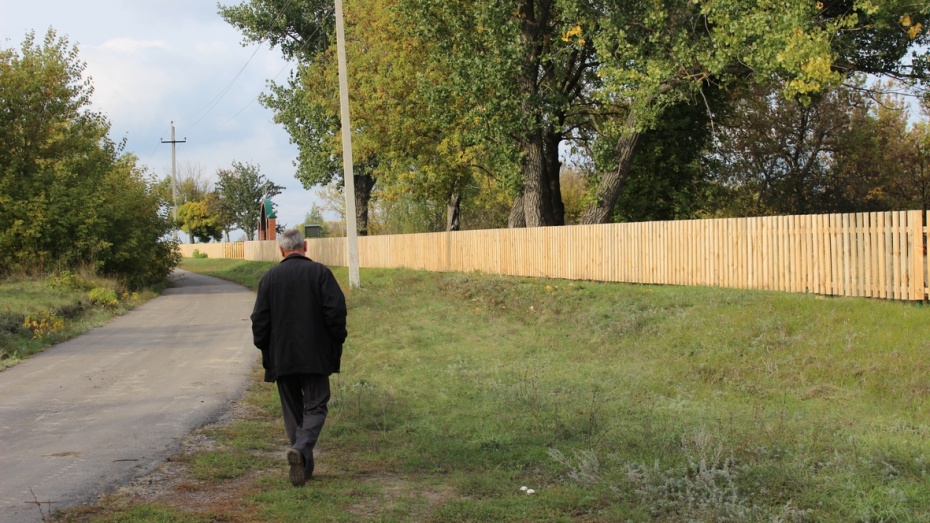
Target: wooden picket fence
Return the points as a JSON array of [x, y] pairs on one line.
[[877, 255], [234, 250]]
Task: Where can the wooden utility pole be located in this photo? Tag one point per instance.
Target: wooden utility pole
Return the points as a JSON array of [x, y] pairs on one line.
[[348, 171], [174, 179]]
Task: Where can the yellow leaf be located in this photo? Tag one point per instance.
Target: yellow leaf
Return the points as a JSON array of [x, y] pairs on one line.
[[568, 35]]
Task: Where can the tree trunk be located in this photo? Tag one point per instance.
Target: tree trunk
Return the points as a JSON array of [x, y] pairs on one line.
[[534, 18], [453, 208], [535, 187], [608, 191], [553, 173], [364, 184], [517, 218]]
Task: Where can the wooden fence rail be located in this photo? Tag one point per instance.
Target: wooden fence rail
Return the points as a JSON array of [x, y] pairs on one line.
[[877, 255]]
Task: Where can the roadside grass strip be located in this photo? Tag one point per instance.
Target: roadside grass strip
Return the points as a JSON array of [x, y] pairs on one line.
[[460, 393]]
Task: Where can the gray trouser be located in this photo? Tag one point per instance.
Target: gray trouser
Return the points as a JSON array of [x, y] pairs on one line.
[[304, 399]]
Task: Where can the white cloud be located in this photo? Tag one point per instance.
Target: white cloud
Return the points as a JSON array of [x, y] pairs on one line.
[[131, 46], [176, 60]]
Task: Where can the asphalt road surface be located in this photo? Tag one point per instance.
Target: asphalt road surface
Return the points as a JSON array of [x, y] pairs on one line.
[[91, 414]]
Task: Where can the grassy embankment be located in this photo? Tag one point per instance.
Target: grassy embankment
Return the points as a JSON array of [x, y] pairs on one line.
[[613, 402], [38, 312]]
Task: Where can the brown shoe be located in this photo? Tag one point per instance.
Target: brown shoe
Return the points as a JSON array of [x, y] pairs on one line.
[[296, 460]]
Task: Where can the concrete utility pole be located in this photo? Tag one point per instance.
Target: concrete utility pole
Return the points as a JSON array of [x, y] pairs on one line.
[[174, 179], [348, 171]]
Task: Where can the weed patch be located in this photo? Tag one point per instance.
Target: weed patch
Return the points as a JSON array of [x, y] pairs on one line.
[[38, 312]]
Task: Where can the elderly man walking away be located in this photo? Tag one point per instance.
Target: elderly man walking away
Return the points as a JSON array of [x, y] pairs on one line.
[[299, 323]]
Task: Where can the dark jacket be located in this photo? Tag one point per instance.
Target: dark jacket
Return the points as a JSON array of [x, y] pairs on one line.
[[299, 319]]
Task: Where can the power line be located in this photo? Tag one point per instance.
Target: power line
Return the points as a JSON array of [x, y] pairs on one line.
[[285, 67], [216, 100]]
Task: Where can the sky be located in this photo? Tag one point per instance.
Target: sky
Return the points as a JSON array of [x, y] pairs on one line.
[[152, 63]]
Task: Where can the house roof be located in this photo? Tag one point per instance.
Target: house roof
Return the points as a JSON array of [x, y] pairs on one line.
[[269, 209]]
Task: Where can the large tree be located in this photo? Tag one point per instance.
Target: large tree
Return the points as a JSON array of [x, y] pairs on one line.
[[654, 55], [850, 149], [410, 138], [613, 68], [905, 152], [515, 82], [776, 155], [244, 187], [66, 190], [306, 105]]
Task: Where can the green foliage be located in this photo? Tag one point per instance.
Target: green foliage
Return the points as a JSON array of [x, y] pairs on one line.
[[310, 24], [243, 188], [103, 297], [67, 195], [197, 220], [447, 95], [72, 281], [199, 255], [844, 151]]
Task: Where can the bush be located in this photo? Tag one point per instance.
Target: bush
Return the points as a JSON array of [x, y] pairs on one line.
[[43, 323], [69, 280], [103, 297], [71, 196], [11, 322], [198, 254]]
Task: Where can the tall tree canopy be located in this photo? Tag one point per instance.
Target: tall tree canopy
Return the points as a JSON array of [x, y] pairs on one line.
[[446, 90], [410, 138], [615, 67], [68, 195]]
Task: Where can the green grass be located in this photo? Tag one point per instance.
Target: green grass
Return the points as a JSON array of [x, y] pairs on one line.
[[37, 312], [614, 402]]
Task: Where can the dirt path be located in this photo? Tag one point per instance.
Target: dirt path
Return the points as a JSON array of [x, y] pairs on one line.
[[95, 412]]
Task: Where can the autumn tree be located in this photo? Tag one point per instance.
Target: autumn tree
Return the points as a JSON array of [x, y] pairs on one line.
[[196, 220], [409, 140], [442, 87], [851, 149]]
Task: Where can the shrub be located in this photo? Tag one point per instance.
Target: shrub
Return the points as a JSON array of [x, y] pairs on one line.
[[11, 322], [42, 324], [198, 254], [103, 297], [69, 280]]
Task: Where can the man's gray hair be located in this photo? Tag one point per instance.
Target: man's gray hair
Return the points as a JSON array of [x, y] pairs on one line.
[[291, 240]]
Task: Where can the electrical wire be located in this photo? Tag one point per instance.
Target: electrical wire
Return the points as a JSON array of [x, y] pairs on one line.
[[247, 105], [216, 99]]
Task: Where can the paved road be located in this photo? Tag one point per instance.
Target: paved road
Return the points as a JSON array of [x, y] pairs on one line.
[[95, 412]]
